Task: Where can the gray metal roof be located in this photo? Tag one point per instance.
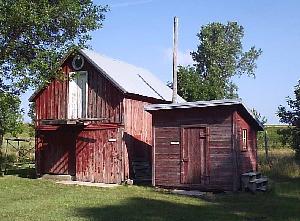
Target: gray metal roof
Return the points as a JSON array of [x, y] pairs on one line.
[[203, 104], [129, 78]]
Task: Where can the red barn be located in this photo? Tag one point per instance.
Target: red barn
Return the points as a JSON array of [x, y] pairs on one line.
[[204, 145], [92, 125]]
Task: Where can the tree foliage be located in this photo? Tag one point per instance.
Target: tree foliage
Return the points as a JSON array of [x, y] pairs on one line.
[[219, 57], [291, 116], [34, 35], [10, 114], [262, 119]]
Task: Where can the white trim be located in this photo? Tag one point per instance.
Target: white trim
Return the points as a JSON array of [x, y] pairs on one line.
[[244, 139], [83, 112]]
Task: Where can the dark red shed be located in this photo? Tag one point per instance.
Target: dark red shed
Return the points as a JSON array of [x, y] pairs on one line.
[[92, 125], [203, 145]]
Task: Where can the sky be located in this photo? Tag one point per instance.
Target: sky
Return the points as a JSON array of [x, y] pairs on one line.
[[139, 32]]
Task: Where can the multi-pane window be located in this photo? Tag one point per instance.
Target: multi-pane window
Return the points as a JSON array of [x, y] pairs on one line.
[[244, 139]]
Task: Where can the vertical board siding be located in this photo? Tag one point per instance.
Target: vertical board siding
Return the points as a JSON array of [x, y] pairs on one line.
[[55, 151], [105, 101], [137, 132], [84, 152], [97, 158], [193, 155], [167, 128]]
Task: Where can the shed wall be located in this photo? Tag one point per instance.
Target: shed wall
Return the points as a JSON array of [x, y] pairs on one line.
[[247, 158], [168, 126]]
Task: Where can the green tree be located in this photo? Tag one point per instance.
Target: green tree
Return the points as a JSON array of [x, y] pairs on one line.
[[218, 58], [34, 35], [10, 115], [10, 119], [262, 119], [291, 116]]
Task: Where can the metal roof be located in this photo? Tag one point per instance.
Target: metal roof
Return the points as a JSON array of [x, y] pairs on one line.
[[203, 104], [129, 78]]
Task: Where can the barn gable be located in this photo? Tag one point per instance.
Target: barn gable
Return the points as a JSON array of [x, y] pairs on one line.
[[127, 78]]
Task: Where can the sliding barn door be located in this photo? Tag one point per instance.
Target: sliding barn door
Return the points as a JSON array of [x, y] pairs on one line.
[[77, 107], [194, 155]]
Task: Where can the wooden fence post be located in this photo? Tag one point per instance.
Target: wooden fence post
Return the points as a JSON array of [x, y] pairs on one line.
[[266, 146]]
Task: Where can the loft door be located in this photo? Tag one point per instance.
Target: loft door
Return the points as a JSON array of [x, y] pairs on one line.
[[77, 107], [193, 155]]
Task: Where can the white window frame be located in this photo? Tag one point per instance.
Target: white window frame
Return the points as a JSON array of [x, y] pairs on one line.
[[244, 139]]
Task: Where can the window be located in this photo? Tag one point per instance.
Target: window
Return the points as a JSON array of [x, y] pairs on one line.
[[244, 139], [77, 62]]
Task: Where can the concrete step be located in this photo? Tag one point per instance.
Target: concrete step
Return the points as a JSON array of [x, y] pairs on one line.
[[259, 180], [254, 181], [57, 177], [251, 175], [262, 189]]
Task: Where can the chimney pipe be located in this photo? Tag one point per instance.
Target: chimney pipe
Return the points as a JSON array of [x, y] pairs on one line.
[[175, 48]]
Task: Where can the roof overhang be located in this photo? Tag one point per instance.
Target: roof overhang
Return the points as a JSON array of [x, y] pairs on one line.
[[205, 104]]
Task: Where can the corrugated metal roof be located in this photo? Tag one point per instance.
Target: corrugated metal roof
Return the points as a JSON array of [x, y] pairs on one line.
[[203, 104], [129, 78]]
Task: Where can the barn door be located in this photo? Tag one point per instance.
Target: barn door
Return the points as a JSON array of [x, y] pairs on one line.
[[194, 155], [77, 107], [99, 156]]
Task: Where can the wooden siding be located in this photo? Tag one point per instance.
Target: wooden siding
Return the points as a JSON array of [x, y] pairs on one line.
[[55, 152], [137, 131], [98, 156], [92, 153], [104, 99], [248, 157], [52, 101], [167, 128], [194, 155], [107, 102]]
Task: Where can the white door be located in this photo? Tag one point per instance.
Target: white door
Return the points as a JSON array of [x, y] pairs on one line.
[[77, 107]]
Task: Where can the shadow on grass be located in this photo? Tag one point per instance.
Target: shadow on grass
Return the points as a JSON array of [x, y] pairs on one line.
[[25, 172], [282, 203], [154, 209]]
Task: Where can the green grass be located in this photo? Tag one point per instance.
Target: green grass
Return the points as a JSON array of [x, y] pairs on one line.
[[32, 199], [282, 164]]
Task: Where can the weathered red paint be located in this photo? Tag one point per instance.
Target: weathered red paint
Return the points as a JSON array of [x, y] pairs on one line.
[[84, 151], [212, 134]]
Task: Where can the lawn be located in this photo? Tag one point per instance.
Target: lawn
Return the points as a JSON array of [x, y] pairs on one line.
[[32, 199]]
